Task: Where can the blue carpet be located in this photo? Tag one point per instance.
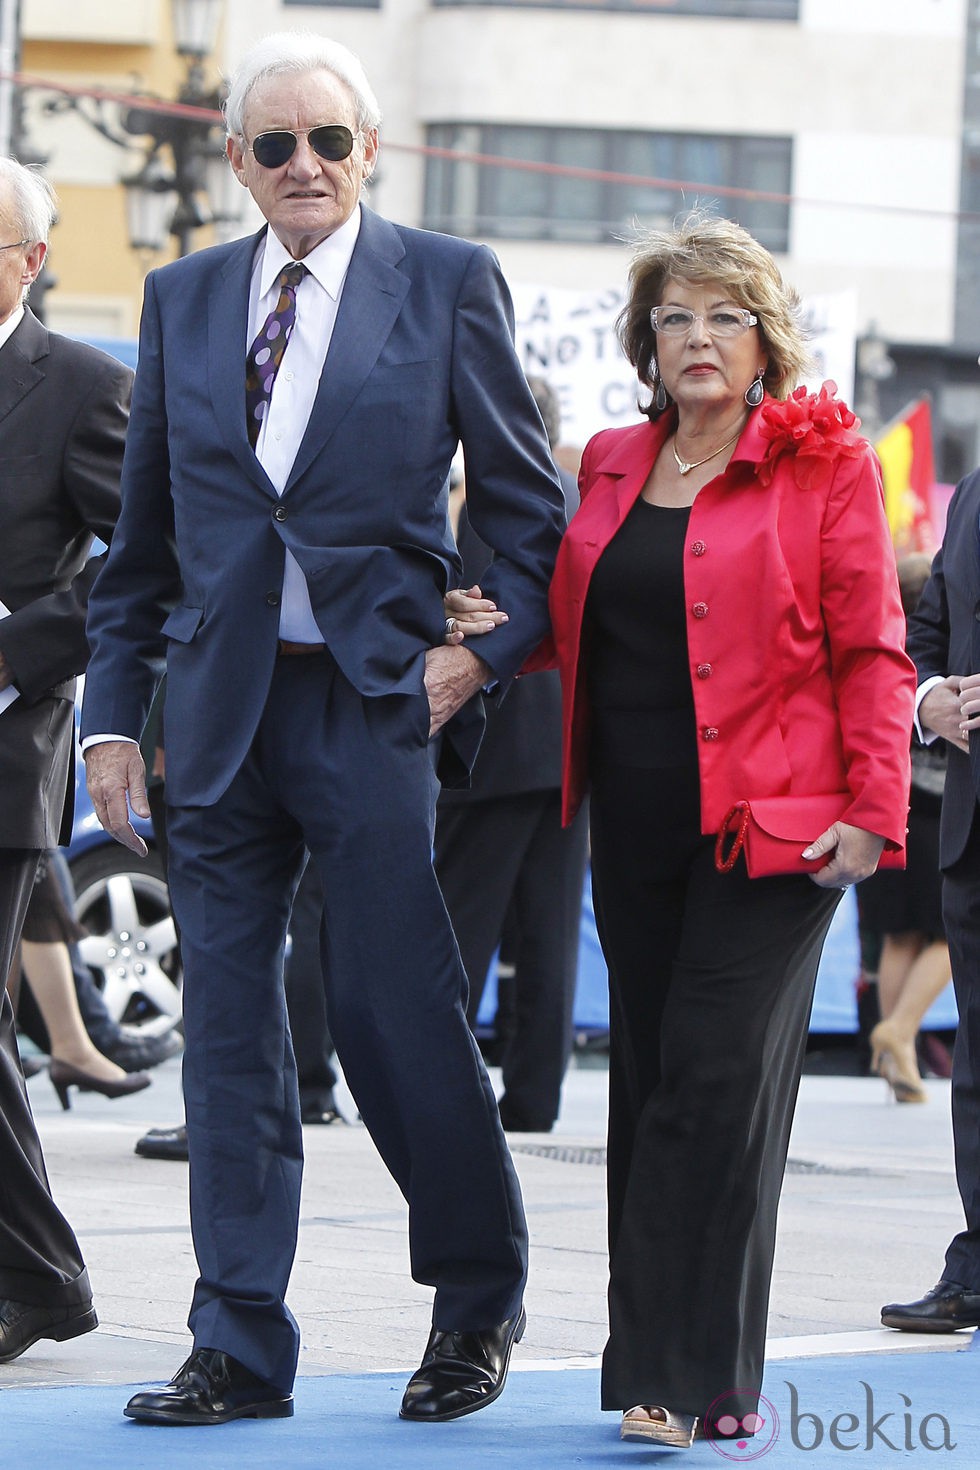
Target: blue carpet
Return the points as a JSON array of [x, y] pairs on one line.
[[548, 1420]]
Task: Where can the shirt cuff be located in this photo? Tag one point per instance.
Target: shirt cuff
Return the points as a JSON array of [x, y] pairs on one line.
[[927, 737], [91, 740]]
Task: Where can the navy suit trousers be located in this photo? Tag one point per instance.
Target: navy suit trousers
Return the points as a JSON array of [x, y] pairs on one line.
[[352, 779]]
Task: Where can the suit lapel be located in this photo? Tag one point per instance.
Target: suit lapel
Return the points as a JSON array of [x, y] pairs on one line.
[[19, 358], [227, 331], [372, 298]]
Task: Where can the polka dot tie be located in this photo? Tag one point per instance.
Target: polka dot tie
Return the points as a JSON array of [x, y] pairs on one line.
[[265, 353]]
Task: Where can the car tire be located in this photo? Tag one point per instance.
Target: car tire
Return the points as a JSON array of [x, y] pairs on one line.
[[131, 946]]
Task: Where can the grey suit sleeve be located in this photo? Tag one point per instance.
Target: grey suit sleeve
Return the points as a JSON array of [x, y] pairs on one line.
[[44, 643]]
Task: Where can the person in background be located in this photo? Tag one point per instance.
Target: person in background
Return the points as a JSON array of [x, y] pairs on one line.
[[905, 906], [299, 401], [944, 641], [727, 623], [507, 827], [63, 414], [48, 930]]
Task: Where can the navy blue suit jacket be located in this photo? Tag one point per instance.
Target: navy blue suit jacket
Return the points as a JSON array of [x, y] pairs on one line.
[[943, 639], [421, 359]]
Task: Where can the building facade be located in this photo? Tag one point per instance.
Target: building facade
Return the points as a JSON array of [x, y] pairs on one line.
[[844, 133]]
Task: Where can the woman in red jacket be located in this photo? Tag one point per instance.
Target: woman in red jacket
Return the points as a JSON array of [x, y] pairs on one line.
[[728, 628]]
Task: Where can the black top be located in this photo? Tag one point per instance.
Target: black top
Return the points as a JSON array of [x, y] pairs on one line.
[[636, 636]]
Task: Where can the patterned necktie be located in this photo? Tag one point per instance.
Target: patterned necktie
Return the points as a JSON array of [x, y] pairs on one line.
[[265, 353]]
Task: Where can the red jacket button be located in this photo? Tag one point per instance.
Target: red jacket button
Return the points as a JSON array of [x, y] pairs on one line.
[[700, 609], [698, 548], [704, 671], [710, 733]]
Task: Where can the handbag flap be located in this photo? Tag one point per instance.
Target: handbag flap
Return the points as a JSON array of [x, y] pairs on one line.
[[801, 818]]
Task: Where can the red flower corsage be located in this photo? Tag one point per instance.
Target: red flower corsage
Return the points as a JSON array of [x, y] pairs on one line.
[[816, 428]]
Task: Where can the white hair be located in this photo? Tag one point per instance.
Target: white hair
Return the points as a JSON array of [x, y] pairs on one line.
[[298, 52], [32, 200]]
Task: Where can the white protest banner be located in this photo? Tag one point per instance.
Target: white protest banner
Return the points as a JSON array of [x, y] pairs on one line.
[[569, 338]]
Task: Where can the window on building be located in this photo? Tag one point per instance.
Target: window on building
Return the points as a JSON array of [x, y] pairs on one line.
[[731, 9], [536, 200], [339, 4]]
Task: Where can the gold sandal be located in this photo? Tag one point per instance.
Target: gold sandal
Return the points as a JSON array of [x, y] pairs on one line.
[[679, 1430]]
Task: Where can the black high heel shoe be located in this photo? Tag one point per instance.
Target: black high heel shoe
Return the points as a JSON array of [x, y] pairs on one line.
[[63, 1075]]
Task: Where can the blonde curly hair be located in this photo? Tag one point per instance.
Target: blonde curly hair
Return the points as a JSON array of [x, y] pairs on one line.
[[703, 249]]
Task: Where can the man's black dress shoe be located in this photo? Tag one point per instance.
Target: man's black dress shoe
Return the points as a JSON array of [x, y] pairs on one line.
[[461, 1372], [22, 1325], [210, 1388], [946, 1308], [164, 1143]]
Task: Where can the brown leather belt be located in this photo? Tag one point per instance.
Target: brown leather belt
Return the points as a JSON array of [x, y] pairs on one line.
[[288, 649]]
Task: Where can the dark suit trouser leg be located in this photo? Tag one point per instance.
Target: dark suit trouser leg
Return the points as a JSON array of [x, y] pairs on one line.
[[961, 914], [548, 916], [510, 854], [479, 848], [39, 1257], [711, 979], [306, 1004], [352, 779]]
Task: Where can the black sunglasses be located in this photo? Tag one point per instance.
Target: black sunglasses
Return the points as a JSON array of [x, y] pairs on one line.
[[332, 142]]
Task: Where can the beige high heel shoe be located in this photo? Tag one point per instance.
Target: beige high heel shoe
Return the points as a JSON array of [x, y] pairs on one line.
[[679, 1430], [893, 1057]]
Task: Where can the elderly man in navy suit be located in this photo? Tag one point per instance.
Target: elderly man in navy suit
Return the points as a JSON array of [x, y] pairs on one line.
[[284, 548]]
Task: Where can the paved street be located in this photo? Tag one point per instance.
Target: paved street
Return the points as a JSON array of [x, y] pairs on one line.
[[868, 1208]]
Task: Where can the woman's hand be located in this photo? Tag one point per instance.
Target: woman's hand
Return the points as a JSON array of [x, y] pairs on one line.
[[469, 613], [854, 855]]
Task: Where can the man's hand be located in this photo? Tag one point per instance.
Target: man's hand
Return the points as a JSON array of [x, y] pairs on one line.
[[942, 711], [855, 855], [6, 677], [969, 706], [112, 770], [452, 676]]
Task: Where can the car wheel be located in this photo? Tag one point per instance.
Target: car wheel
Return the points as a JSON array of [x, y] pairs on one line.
[[131, 945]]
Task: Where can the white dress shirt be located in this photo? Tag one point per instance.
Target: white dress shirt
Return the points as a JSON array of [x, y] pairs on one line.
[[9, 327], [294, 390]]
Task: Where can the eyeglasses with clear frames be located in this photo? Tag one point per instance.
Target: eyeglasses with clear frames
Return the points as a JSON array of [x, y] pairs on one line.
[[722, 321], [15, 245]]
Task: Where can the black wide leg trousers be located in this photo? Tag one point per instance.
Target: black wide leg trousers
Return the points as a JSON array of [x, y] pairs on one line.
[[711, 984]]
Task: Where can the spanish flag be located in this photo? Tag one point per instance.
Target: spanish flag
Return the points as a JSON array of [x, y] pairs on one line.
[[908, 470]]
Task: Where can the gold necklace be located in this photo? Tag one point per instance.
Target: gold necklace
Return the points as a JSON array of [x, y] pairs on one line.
[[696, 464]]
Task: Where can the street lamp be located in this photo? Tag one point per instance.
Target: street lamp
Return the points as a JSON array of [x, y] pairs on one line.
[[195, 193], [875, 365], [184, 180]]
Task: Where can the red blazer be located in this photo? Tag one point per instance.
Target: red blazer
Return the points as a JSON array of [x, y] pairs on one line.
[[795, 627]]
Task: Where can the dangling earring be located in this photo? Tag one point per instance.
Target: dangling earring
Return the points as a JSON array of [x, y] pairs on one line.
[[755, 392], [660, 392]]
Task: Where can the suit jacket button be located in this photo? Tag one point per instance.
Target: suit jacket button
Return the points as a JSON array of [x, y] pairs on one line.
[[700, 609], [704, 671], [698, 548], [272, 599], [280, 513], [710, 733]]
